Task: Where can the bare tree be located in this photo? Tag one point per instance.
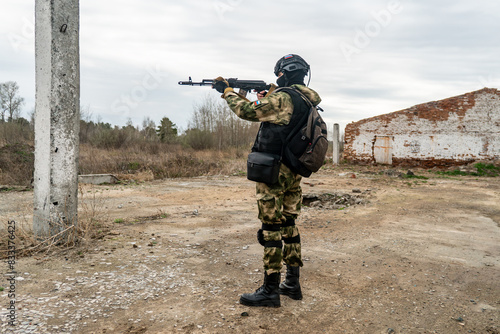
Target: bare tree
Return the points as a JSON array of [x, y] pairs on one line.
[[203, 117], [86, 114], [218, 126], [10, 102], [149, 129]]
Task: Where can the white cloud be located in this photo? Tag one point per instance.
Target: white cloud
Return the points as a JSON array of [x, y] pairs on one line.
[[424, 51]]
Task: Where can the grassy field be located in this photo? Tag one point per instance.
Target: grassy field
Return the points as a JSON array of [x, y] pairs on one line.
[[139, 162]]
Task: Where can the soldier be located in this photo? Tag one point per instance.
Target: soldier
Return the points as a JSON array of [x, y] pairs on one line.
[[279, 203]]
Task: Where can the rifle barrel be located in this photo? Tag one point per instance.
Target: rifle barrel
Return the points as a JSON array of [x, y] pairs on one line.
[[204, 82]]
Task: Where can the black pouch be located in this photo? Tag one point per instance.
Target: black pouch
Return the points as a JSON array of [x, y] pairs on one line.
[[263, 167]]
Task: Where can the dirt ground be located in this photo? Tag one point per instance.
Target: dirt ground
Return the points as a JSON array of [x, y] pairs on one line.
[[405, 256]]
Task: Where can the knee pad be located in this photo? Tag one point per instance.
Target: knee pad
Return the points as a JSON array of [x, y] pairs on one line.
[[291, 240], [288, 222], [260, 237], [269, 243]]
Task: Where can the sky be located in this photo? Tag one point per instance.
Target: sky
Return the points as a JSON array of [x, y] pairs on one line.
[[367, 58]]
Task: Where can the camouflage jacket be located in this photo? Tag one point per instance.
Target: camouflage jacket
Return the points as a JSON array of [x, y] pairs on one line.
[[277, 108]]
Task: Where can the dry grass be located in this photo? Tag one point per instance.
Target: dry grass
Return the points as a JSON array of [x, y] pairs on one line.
[[16, 164], [141, 162], [170, 162], [93, 223]]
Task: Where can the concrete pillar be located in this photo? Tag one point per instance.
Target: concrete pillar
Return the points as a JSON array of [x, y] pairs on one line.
[[57, 119], [336, 144]]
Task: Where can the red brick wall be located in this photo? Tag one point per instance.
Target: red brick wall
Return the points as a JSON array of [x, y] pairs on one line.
[[456, 130]]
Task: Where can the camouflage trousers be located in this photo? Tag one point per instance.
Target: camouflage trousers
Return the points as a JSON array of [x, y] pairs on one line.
[[279, 205]]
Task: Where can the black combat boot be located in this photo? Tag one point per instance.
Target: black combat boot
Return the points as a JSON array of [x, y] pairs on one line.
[[266, 295], [291, 286]]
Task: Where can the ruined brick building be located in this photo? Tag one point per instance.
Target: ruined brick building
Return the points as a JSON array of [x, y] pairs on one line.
[[453, 131]]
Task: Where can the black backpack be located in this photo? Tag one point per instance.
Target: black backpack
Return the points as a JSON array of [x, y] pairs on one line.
[[306, 146]]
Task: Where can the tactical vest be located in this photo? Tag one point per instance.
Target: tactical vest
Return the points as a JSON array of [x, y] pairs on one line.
[[271, 136]]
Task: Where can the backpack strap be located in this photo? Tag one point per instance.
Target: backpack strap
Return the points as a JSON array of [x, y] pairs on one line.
[[293, 89], [302, 121], [304, 117]]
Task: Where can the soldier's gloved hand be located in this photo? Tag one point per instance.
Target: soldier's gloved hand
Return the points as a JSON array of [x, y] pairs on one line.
[[220, 84], [261, 94]]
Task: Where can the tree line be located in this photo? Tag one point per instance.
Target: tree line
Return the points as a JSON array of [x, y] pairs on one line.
[[213, 126]]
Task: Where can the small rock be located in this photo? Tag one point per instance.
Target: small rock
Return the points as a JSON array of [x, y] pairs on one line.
[[244, 314], [356, 191], [392, 173]]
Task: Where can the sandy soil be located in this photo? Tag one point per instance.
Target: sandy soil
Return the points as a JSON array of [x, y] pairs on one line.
[[408, 256]]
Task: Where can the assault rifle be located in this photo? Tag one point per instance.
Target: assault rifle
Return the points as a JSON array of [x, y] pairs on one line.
[[244, 85]]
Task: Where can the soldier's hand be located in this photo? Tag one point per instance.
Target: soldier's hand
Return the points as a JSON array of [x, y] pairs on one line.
[[220, 84], [261, 94]]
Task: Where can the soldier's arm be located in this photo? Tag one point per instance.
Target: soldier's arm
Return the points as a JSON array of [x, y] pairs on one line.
[[276, 108]]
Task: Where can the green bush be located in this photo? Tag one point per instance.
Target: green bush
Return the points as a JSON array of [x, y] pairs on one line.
[[487, 169], [482, 170]]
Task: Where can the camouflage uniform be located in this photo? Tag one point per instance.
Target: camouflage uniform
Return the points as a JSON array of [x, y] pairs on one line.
[[279, 204]]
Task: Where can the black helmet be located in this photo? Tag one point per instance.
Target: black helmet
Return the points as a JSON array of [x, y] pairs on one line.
[[289, 63]]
